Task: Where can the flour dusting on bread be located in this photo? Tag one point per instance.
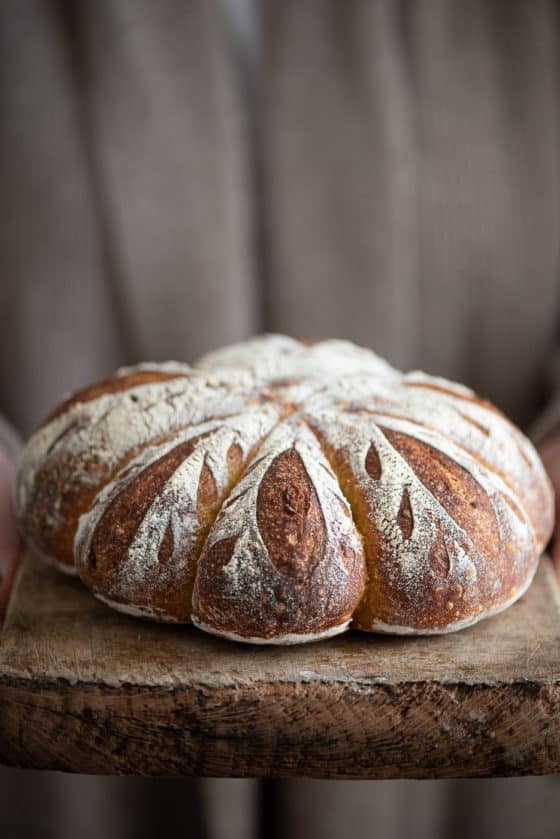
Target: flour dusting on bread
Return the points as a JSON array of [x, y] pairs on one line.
[[278, 491]]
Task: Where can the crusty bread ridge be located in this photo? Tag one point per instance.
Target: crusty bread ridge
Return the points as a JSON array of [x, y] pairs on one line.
[[281, 491]]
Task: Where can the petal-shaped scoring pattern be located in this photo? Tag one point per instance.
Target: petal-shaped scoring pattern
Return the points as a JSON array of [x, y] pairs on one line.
[[444, 534], [77, 451], [137, 545], [284, 560], [315, 482]]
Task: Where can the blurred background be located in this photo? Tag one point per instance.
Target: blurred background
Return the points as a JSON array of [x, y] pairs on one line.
[[180, 174]]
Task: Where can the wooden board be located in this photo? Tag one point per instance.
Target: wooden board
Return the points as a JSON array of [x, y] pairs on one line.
[[84, 689]]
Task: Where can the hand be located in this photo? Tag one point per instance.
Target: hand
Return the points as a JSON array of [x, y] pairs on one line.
[[549, 451], [9, 539]]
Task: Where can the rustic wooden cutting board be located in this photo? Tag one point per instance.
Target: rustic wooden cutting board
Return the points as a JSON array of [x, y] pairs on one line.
[[84, 689]]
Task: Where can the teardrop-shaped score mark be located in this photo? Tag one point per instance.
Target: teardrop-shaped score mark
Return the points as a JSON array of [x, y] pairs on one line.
[[438, 558], [373, 463], [207, 495], [405, 519], [289, 517]]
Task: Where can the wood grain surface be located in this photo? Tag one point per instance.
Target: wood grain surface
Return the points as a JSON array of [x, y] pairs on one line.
[[85, 689]]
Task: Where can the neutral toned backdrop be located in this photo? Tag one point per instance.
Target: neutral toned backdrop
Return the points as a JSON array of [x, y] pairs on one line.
[[178, 175]]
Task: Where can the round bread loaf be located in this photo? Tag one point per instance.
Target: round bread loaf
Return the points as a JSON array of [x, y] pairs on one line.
[[280, 491]]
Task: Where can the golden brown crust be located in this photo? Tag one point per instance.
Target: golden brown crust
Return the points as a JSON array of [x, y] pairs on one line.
[[281, 504], [115, 532], [114, 384], [59, 483], [67, 478], [437, 596], [161, 593], [453, 487], [55, 488], [300, 589]]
